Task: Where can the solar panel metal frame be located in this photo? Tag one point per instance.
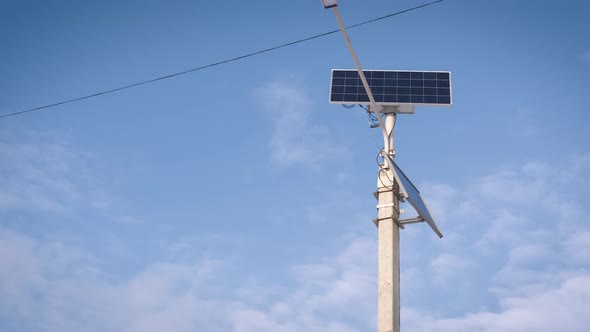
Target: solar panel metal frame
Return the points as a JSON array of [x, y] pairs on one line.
[[409, 87]]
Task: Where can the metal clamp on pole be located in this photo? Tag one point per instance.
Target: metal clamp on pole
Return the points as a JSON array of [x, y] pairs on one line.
[[377, 220]]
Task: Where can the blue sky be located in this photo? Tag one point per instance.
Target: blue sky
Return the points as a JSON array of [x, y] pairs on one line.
[[237, 199]]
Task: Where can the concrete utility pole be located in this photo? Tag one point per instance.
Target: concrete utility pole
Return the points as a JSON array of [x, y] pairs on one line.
[[388, 307]]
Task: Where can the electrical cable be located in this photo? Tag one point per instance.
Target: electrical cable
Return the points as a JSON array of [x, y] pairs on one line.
[[216, 63], [373, 121], [381, 170]]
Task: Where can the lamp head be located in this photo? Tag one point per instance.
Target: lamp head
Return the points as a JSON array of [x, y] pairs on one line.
[[329, 3]]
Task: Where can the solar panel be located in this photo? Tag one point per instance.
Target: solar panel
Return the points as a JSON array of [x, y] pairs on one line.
[[390, 87], [414, 198]]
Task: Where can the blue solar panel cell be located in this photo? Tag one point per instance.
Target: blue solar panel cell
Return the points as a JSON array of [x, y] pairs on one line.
[[338, 81], [429, 76], [337, 97], [443, 100], [390, 90], [417, 83], [338, 73], [443, 83], [403, 74], [337, 89], [351, 97], [390, 74], [390, 98], [391, 87], [404, 82], [417, 75], [430, 83], [417, 99], [427, 91], [350, 89], [352, 74], [442, 91], [430, 100], [378, 74], [404, 99], [377, 90], [402, 90]]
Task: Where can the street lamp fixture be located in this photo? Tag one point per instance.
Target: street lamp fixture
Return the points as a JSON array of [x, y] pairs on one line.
[[329, 3], [388, 313]]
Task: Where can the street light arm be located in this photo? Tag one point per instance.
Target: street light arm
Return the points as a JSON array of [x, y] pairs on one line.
[[365, 84]]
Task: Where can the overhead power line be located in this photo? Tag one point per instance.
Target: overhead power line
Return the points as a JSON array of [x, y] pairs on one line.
[[270, 49]]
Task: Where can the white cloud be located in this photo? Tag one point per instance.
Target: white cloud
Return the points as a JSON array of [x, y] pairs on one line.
[[295, 140], [42, 173], [18, 264], [441, 198], [564, 308], [522, 203], [182, 296], [411, 279], [49, 289], [529, 253], [577, 170], [49, 283], [446, 266], [329, 293], [531, 268], [578, 247], [504, 228], [512, 186], [522, 230]]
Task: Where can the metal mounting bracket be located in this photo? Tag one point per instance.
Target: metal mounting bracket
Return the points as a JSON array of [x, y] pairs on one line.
[[414, 220], [377, 220]]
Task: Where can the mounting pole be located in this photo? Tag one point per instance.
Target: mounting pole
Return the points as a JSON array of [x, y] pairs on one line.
[[388, 307]]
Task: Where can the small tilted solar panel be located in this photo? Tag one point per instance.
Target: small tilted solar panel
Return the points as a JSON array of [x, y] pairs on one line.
[[414, 198], [391, 87]]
